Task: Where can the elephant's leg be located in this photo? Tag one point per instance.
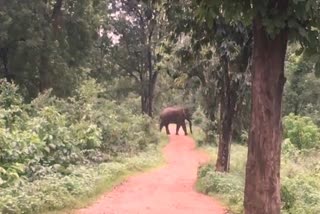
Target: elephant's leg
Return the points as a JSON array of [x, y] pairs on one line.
[[161, 126], [177, 129], [167, 129], [184, 128]]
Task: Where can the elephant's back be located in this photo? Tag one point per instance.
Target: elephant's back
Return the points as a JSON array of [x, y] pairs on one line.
[[170, 113], [169, 110]]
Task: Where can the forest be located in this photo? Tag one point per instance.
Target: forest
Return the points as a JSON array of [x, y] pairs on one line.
[[83, 83]]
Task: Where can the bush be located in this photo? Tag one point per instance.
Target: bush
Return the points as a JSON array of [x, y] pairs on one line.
[[288, 149], [301, 194], [49, 134], [199, 119], [54, 150], [300, 179], [301, 131], [229, 187], [56, 191], [205, 131], [37, 138]]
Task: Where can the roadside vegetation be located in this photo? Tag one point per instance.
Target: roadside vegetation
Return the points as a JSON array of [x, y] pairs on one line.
[[55, 152], [300, 170]]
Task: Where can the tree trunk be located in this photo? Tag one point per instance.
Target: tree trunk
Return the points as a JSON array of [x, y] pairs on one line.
[[227, 111], [4, 58], [56, 17], [142, 103], [44, 79], [210, 130], [210, 104], [55, 21], [150, 80], [43, 73], [144, 100], [262, 185], [222, 164], [151, 88]]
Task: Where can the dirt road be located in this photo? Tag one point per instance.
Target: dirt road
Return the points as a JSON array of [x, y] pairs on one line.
[[167, 190]]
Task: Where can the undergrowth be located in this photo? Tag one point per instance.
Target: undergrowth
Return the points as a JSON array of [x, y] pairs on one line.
[[56, 151], [300, 173], [228, 187], [73, 189]]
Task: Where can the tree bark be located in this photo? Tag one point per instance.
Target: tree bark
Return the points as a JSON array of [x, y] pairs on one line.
[[262, 185], [144, 99], [44, 69], [210, 104], [44, 77], [227, 111], [44, 82], [4, 58], [151, 93], [151, 79], [148, 83]]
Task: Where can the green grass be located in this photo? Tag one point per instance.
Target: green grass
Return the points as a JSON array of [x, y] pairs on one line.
[[81, 186]]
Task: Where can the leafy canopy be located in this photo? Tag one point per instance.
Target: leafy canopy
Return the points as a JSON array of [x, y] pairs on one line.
[[300, 17]]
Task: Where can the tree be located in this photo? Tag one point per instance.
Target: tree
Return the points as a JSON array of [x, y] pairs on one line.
[[235, 53], [302, 92], [44, 44], [139, 25], [273, 22], [222, 83]]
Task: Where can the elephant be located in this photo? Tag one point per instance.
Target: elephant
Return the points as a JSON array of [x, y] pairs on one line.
[[177, 115]]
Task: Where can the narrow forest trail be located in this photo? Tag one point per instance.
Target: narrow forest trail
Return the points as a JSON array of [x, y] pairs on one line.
[[166, 190]]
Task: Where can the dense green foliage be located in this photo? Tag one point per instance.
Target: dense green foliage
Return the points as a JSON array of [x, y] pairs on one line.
[[47, 44], [86, 72], [70, 189], [301, 95], [42, 143], [301, 131]]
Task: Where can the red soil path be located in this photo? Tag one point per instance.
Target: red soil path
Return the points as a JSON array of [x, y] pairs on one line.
[[167, 190]]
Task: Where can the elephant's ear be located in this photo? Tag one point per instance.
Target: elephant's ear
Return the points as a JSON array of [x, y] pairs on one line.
[[188, 113], [185, 112]]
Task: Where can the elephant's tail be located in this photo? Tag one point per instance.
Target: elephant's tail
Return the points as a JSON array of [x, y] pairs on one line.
[[190, 125]]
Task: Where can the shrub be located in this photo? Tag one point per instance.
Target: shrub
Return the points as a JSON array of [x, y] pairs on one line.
[[199, 118], [244, 136], [301, 194], [300, 179], [229, 187], [301, 131], [206, 132], [49, 134], [289, 149], [50, 149], [57, 191], [8, 95]]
